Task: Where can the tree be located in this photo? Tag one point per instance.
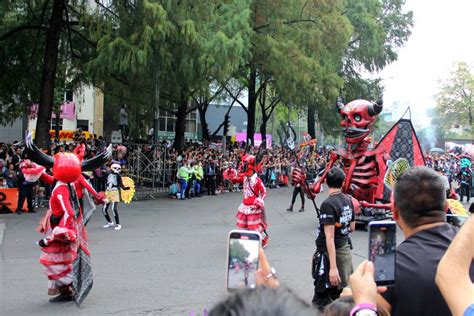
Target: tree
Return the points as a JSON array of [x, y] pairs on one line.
[[238, 251], [293, 43], [203, 100], [379, 27], [175, 55], [455, 100], [37, 39]]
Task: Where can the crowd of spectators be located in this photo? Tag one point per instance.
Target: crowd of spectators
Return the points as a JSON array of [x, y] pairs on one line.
[[456, 169], [204, 168]]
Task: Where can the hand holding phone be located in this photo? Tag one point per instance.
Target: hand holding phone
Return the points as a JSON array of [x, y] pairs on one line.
[[242, 259], [382, 250]]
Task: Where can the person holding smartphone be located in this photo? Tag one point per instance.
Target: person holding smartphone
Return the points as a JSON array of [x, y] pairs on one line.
[[332, 262], [419, 210]]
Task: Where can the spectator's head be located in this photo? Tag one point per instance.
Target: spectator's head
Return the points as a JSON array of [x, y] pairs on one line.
[[11, 166], [263, 301], [340, 307], [419, 197], [335, 178]]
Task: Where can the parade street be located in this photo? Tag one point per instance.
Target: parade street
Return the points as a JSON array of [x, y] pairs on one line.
[[169, 258]]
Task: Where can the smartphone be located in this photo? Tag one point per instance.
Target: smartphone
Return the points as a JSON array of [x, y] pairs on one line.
[[382, 250], [242, 259]]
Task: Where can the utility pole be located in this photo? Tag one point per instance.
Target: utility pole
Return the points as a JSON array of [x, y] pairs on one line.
[[225, 132], [156, 103]]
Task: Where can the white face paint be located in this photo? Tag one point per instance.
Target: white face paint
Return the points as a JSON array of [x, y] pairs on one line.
[[116, 168], [291, 143]]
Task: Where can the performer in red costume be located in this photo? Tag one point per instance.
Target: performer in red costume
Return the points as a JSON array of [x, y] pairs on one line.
[[82, 187], [251, 212], [65, 255], [60, 243]]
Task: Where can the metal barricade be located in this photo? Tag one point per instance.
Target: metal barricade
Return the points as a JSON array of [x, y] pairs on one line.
[[149, 169]]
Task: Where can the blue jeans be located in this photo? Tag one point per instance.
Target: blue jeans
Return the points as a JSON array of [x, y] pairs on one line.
[[183, 184], [197, 187]]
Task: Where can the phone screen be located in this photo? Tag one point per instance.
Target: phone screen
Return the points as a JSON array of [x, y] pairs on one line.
[[242, 259], [382, 250]]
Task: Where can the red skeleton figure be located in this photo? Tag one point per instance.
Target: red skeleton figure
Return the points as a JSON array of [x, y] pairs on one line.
[[361, 165]]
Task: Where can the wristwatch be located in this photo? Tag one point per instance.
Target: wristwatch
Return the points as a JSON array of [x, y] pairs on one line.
[[364, 310]]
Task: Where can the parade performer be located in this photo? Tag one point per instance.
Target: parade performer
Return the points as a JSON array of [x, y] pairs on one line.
[[65, 255], [85, 193], [251, 212], [112, 193], [297, 174], [27, 180]]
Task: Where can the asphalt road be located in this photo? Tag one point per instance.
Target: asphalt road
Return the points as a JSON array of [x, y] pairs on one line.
[[168, 259]]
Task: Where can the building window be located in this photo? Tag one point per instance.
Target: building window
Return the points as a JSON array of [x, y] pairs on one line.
[[83, 125], [170, 123], [167, 122], [162, 124], [191, 122], [69, 95], [53, 123]]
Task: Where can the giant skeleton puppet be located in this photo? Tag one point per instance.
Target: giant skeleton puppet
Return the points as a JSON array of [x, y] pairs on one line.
[[361, 165], [65, 255], [251, 212], [371, 172]]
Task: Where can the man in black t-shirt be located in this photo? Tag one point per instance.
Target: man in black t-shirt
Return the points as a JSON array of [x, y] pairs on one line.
[[419, 202], [332, 262]]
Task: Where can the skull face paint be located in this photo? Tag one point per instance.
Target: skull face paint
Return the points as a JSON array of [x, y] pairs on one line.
[[116, 168]]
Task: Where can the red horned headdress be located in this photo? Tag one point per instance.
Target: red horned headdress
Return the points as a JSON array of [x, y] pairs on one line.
[[66, 167]]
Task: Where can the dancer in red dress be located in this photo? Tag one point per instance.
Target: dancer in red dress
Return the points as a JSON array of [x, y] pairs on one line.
[[251, 212], [65, 255]]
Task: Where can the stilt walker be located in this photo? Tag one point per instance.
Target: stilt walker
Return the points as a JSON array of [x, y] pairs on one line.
[[251, 212], [112, 193]]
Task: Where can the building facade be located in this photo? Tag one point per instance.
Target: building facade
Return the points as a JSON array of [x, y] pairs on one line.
[[82, 108]]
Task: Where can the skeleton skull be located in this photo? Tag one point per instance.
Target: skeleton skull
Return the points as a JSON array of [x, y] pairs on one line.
[[358, 118], [116, 168]]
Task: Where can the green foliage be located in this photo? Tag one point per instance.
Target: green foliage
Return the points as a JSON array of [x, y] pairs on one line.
[[238, 251], [380, 27], [302, 53], [455, 102], [22, 49], [20, 52], [177, 47]]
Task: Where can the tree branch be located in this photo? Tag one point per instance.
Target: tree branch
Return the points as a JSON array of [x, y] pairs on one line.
[[21, 28], [106, 9], [43, 12], [235, 98], [93, 44], [309, 20], [69, 30], [194, 107]]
